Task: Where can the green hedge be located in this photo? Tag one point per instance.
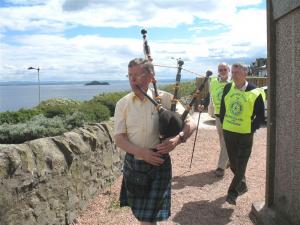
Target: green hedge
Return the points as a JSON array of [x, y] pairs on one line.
[[109, 99], [38, 127], [58, 107], [20, 116], [56, 116], [185, 88], [94, 112], [50, 118]]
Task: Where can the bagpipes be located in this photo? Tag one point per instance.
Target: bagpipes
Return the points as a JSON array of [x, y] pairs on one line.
[[147, 54], [170, 122]]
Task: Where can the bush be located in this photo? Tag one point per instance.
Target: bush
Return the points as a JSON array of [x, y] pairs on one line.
[[74, 120], [58, 107], [61, 115], [185, 89], [94, 112], [109, 100], [18, 117], [38, 127]]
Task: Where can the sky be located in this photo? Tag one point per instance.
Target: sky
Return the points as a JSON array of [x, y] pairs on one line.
[[79, 40]]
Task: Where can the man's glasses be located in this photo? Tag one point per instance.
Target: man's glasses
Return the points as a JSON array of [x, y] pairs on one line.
[[136, 75], [222, 70]]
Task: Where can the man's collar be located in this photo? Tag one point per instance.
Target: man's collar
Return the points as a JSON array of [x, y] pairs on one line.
[[149, 93], [242, 88]]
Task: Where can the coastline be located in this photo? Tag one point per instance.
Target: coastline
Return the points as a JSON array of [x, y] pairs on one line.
[[17, 95]]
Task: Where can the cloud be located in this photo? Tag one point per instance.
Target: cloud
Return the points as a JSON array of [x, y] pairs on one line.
[[71, 5], [218, 31], [93, 57], [81, 57], [100, 13], [26, 2]]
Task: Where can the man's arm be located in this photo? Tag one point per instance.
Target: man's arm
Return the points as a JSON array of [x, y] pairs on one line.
[[169, 144], [206, 100], [259, 113], [188, 128], [122, 141], [146, 154], [222, 107]]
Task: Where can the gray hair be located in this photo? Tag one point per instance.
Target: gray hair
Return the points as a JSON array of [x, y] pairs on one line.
[[223, 64], [143, 63], [240, 66]]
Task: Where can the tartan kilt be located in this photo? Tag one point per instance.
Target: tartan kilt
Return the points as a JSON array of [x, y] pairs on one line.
[[156, 206]]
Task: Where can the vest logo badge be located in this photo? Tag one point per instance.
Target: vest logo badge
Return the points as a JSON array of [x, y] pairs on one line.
[[236, 108]]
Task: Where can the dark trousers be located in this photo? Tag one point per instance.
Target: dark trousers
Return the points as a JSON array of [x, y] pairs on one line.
[[239, 148]]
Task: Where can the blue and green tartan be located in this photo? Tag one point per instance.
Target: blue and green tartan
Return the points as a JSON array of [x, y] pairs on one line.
[[156, 206]]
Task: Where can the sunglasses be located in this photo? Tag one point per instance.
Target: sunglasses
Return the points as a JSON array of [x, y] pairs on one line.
[[221, 70]]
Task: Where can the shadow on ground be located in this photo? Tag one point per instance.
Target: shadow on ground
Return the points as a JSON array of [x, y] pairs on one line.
[[204, 213], [210, 122], [195, 180]]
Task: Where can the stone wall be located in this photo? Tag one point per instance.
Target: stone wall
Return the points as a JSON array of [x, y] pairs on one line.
[[50, 180]]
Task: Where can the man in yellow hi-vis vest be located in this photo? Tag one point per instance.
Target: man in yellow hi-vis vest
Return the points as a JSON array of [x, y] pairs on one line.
[[241, 113], [217, 85]]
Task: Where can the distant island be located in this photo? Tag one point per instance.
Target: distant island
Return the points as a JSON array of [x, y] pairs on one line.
[[97, 83]]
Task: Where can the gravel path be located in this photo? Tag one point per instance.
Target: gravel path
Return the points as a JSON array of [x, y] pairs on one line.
[[198, 197]]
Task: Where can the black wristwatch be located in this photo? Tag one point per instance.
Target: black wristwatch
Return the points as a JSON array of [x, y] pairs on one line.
[[181, 137]]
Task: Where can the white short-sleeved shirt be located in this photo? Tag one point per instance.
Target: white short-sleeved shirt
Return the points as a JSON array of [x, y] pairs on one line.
[[139, 118]]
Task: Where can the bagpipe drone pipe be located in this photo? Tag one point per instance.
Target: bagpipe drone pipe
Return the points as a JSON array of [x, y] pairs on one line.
[[170, 122]]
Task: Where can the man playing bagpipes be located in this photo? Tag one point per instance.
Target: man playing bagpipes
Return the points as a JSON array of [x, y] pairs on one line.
[[147, 171]]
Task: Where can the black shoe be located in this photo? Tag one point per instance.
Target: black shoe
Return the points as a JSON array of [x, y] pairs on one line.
[[231, 199], [219, 172]]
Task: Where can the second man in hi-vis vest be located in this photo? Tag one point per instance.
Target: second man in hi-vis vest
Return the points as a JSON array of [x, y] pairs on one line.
[[241, 113], [217, 85]]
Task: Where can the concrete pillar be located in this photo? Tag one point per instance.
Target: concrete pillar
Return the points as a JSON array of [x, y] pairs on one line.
[[282, 202]]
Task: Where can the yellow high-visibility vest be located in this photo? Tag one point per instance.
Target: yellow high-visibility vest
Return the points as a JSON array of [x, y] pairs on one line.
[[239, 109], [216, 91]]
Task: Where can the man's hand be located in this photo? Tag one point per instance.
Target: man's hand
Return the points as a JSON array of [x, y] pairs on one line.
[[168, 145], [200, 108], [151, 157], [145, 154]]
